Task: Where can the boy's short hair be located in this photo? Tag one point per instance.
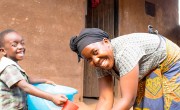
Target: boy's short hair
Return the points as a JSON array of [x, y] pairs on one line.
[[2, 34]]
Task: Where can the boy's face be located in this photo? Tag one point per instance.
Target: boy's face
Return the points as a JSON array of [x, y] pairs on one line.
[[13, 46]]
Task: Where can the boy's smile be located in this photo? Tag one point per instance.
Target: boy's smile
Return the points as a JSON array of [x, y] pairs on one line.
[[14, 46]]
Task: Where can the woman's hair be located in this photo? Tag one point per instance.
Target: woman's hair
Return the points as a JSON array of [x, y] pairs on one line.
[[86, 37], [3, 34]]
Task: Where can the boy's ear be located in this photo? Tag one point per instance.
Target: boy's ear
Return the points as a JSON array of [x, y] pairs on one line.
[[3, 51]]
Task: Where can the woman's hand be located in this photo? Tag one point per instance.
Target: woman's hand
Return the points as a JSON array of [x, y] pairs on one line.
[[59, 99]]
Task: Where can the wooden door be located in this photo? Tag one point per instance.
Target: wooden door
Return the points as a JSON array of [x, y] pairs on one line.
[[104, 16]]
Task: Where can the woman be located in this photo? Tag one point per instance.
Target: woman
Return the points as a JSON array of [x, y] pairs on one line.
[[147, 66]]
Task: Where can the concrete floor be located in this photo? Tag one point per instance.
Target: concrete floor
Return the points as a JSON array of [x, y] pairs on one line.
[[89, 104]]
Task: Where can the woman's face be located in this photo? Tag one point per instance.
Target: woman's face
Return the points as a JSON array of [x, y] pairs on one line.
[[99, 54]]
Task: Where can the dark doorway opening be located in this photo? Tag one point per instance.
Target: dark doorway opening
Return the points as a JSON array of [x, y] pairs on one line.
[[104, 15]]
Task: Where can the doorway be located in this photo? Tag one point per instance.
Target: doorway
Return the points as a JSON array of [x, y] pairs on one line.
[[101, 14]]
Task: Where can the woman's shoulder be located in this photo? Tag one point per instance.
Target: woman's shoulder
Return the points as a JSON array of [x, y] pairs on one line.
[[131, 35], [134, 38]]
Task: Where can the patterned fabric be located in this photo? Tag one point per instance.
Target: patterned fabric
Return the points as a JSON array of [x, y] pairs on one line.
[[11, 97], [148, 50], [160, 90]]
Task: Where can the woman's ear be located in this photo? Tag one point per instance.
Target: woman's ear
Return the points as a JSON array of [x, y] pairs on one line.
[[105, 40]]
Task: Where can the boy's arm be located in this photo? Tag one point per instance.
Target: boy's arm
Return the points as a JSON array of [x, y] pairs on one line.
[[33, 80], [28, 88]]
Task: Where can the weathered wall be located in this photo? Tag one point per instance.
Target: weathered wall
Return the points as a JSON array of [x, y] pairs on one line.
[[47, 26], [134, 19]]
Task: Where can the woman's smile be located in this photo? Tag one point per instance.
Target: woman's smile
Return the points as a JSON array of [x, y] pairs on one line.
[[103, 63]]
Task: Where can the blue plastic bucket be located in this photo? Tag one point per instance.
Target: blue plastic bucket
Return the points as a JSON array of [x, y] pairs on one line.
[[36, 103]]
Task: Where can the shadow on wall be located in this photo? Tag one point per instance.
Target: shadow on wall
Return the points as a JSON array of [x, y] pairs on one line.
[[174, 34], [178, 35]]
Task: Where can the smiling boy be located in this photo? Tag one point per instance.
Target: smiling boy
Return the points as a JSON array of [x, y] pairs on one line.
[[14, 82]]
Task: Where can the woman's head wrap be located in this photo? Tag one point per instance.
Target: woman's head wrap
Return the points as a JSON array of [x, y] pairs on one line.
[[86, 37]]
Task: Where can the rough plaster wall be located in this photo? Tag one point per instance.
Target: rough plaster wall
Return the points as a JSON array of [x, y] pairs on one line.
[[47, 26], [134, 19]]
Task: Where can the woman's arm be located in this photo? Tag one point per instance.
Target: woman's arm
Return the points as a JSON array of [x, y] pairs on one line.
[[28, 88], [128, 86], [106, 97]]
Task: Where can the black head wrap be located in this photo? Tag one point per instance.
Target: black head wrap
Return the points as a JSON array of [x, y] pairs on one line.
[[86, 37]]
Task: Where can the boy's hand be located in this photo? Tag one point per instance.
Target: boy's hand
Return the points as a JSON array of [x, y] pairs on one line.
[[59, 100], [50, 82]]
